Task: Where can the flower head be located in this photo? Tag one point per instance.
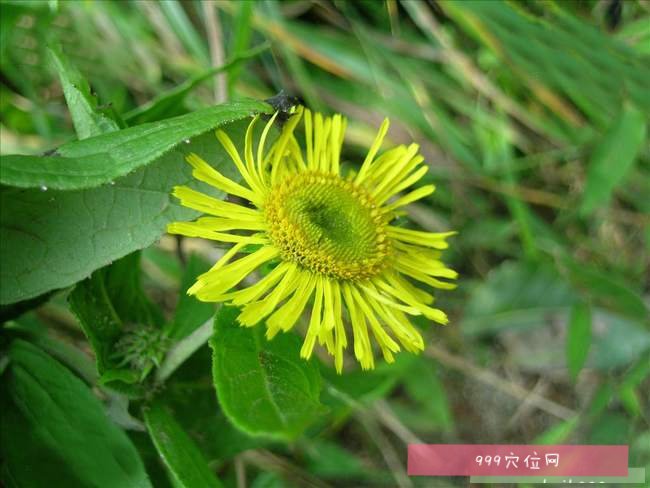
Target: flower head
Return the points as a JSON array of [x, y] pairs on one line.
[[330, 235]]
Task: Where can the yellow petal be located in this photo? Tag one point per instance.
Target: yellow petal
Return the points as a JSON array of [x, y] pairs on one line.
[[428, 239], [309, 133], [362, 348], [213, 206], [286, 316], [367, 163], [260, 146], [212, 284], [206, 173], [197, 229], [253, 292], [229, 147], [224, 223], [256, 311], [411, 197], [315, 321]]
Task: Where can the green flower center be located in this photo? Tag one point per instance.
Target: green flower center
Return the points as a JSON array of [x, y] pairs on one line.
[[328, 225]]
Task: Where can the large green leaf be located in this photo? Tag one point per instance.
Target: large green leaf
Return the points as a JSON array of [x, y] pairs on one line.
[[105, 157], [264, 387], [52, 239], [613, 158], [54, 431], [178, 451]]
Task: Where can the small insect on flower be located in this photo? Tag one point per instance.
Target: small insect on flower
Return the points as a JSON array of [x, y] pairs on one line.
[[330, 234]]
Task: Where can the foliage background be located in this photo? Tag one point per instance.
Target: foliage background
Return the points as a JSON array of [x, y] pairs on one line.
[[533, 118]]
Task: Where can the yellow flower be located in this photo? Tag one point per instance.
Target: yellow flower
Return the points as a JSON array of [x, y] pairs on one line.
[[330, 235]]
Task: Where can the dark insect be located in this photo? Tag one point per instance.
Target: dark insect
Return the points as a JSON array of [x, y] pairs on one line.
[[283, 103]]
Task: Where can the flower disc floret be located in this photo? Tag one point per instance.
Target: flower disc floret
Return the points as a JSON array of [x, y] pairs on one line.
[[328, 225]]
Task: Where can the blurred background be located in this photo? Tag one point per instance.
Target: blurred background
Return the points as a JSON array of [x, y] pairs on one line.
[[532, 116]]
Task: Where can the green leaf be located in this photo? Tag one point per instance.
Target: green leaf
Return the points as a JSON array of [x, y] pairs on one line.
[[606, 287], [52, 239], [178, 451], [558, 434], [105, 157], [264, 387], [92, 305], [630, 400], [613, 158], [627, 390], [157, 472], [88, 120], [29, 327], [638, 373], [55, 430], [578, 338], [600, 400]]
